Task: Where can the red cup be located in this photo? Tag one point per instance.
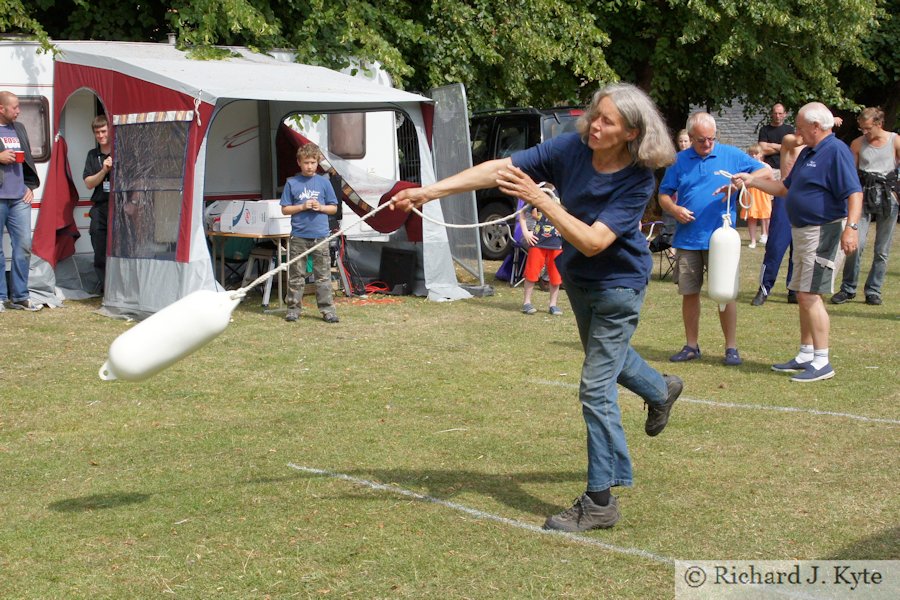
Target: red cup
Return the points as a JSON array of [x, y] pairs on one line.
[[20, 156]]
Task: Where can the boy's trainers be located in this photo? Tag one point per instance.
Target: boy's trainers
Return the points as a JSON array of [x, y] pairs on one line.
[[25, 304], [528, 309], [331, 318], [555, 311], [585, 515], [811, 374], [292, 315]]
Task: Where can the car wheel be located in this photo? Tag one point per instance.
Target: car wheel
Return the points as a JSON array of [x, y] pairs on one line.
[[496, 239]]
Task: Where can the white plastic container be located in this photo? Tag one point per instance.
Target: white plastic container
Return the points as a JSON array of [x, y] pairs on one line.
[[169, 335], [724, 263]]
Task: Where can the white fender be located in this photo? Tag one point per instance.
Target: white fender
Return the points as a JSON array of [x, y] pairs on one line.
[[169, 335], [724, 263]]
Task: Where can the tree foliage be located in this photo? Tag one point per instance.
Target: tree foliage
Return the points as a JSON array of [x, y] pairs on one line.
[[536, 52]]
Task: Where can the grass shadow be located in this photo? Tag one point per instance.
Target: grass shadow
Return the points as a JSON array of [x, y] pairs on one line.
[[884, 545], [98, 502], [444, 485], [863, 313]]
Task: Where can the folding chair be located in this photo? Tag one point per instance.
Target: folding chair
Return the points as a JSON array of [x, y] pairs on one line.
[[517, 268], [512, 269], [235, 252], [263, 258], [660, 243]]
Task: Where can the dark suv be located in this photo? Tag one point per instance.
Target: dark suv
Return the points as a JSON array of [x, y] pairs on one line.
[[497, 134]]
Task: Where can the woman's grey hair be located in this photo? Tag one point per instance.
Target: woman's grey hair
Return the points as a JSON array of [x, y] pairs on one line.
[[700, 118], [818, 113], [653, 147]]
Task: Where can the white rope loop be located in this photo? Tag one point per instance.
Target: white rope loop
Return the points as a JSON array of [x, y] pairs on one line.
[[743, 192]]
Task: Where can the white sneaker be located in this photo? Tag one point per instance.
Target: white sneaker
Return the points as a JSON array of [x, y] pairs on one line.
[[763, 239], [752, 245]]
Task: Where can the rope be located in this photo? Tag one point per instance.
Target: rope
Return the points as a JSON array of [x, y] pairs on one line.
[[514, 215], [467, 226], [242, 292]]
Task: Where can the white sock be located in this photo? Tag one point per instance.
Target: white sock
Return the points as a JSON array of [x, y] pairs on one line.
[[806, 353], [820, 358]]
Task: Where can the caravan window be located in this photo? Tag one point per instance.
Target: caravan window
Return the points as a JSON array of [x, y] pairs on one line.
[[347, 134], [147, 186], [35, 116]]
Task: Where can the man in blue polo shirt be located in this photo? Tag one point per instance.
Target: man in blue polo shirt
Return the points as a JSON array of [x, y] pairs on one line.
[[822, 192], [699, 213]]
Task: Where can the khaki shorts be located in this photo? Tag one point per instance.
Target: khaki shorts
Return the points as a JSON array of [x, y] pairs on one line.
[[817, 257], [688, 272]]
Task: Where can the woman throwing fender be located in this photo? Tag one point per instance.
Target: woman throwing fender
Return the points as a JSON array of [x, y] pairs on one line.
[[604, 173]]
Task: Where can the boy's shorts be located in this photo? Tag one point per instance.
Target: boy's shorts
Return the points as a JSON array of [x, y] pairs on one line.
[[817, 255], [537, 258], [688, 272]]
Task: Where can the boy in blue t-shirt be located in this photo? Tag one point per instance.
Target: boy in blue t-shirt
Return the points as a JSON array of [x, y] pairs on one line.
[[309, 198]]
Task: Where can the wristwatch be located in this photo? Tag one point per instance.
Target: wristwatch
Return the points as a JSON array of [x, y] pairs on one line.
[[853, 226]]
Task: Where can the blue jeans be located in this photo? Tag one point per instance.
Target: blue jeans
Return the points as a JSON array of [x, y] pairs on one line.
[[15, 215], [606, 321], [884, 232]]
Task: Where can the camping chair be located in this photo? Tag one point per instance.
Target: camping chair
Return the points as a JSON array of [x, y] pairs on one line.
[[660, 243], [263, 259], [235, 252], [518, 257]]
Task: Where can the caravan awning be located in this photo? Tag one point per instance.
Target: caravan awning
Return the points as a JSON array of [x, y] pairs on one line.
[[253, 76]]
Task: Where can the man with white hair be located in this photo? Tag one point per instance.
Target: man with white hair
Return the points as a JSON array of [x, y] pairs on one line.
[[699, 209], [824, 204]]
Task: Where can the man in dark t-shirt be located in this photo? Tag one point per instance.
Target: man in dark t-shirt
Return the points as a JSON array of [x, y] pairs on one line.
[[770, 136], [97, 166]]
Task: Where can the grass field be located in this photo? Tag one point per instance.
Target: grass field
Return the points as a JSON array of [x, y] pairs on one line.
[[197, 483]]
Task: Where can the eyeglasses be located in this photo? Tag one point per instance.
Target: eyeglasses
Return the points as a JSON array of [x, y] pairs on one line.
[[866, 129], [702, 140]]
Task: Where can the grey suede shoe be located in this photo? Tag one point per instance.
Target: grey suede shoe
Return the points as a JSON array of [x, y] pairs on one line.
[[585, 515]]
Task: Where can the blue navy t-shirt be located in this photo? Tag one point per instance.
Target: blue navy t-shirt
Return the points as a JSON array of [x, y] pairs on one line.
[[693, 178], [617, 200], [13, 183], [820, 183], [309, 224]]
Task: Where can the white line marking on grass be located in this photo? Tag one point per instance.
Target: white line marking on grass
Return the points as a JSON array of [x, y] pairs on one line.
[[478, 514], [810, 411]]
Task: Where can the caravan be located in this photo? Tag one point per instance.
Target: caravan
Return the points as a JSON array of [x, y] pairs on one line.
[[187, 133]]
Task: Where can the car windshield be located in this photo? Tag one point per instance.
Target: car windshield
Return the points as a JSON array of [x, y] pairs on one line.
[[554, 125]]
